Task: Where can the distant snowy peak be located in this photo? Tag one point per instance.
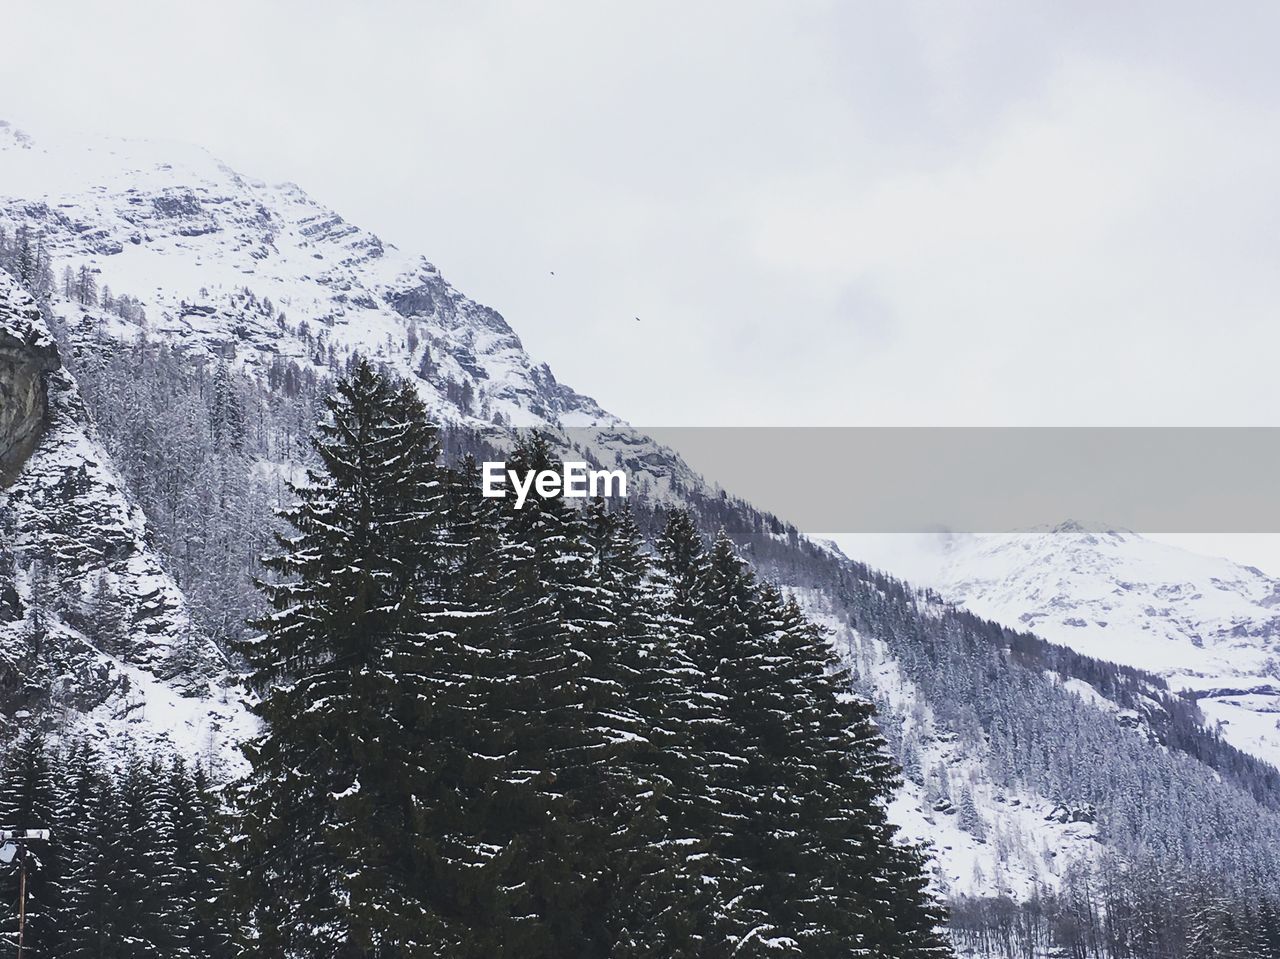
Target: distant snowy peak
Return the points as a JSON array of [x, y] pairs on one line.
[[1210, 626], [1120, 596], [232, 265]]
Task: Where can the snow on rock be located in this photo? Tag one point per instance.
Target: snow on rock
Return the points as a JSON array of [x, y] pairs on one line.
[[77, 576], [1209, 626], [224, 263], [27, 356], [230, 266]]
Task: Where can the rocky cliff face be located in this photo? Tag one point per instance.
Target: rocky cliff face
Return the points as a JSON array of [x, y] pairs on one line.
[[27, 356], [94, 632]]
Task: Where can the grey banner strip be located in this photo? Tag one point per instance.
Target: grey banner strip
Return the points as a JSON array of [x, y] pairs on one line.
[[979, 479]]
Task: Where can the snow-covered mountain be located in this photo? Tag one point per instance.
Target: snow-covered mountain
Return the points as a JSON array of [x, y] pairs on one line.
[[187, 236], [1209, 626], [73, 544], [217, 265]]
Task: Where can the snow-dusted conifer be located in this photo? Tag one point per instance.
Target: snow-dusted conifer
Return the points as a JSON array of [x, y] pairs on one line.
[[328, 861], [29, 799]]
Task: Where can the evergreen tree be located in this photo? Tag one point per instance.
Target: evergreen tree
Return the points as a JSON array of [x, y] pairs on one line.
[[200, 833], [329, 812], [226, 418], [968, 819], [565, 729], [472, 877], [142, 865], [728, 644], [858, 886], [668, 900], [95, 906], [29, 799]]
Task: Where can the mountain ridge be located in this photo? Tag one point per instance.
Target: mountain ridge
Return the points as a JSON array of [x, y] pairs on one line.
[[1209, 626], [229, 297]]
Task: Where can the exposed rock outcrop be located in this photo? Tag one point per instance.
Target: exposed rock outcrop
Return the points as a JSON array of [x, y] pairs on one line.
[[27, 357]]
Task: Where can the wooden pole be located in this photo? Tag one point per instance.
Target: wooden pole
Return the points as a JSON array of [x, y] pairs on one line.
[[18, 838], [22, 896]]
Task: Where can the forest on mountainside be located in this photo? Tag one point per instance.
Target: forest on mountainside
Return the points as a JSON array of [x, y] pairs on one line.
[[494, 731], [208, 448]]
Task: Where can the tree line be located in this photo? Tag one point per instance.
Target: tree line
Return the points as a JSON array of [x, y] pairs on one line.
[[489, 731], [135, 865], [1124, 911]]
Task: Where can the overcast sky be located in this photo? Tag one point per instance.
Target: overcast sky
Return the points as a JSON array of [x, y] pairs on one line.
[[823, 213]]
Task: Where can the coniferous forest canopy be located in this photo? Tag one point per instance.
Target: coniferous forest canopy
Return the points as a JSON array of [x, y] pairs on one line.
[[500, 732], [556, 732]]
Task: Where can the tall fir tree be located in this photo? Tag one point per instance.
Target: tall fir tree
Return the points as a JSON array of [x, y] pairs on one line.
[[666, 900], [564, 727], [95, 905], [329, 867], [202, 926], [142, 864]]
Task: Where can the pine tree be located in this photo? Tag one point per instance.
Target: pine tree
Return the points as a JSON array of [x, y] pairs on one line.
[[666, 900], [329, 803], [106, 616], [95, 907], [24, 262], [202, 853], [226, 417], [29, 800], [187, 826], [728, 644], [968, 818], [853, 886], [472, 875], [1214, 932], [1265, 940], [142, 864], [563, 724], [803, 775]]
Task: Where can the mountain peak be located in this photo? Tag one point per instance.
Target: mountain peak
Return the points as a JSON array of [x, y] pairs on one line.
[[227, 265], [1209, 626]]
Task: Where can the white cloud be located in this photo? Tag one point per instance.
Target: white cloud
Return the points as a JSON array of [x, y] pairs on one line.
[[822, 212]]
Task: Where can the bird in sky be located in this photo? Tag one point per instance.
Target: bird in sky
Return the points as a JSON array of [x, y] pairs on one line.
[[553, 272]]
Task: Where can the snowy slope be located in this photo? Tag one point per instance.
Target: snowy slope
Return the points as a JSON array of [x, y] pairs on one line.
[[68, 529], [1208, 625], [1023, 844], [186, 235]]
